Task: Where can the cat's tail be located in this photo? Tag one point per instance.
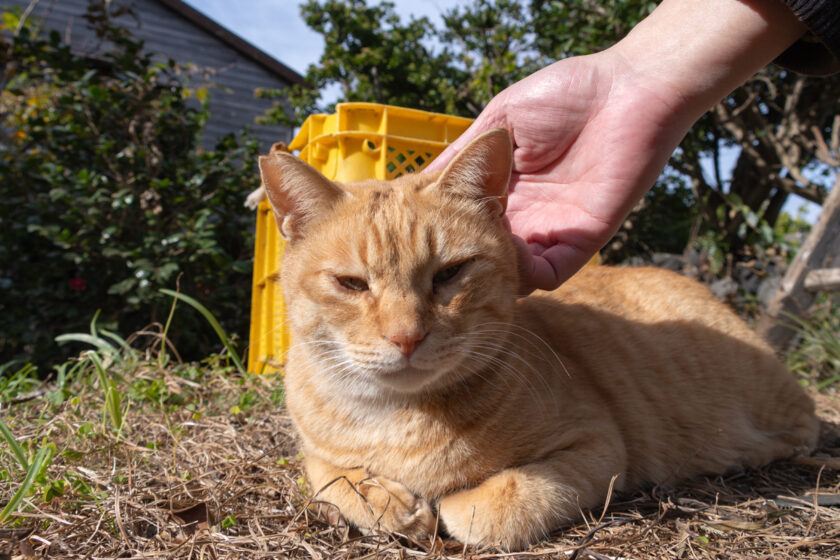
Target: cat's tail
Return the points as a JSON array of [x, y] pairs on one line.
[[255, 198]]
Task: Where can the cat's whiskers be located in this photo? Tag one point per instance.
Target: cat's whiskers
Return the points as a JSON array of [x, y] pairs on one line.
[[471, 368], [347, 376], [477, 350], [480, 335], [278, 324], [486, 338], [342, 377], [332, 342], [322, 348], [542, 375], [506, 331], [542, 341], [510, 375], [325, 362], [357, 369], [351, 375], [504, 351]]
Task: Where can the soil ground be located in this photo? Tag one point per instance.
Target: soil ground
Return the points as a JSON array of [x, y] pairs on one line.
[[199, 471]]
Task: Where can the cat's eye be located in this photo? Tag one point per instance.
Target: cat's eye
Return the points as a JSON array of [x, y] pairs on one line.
[[447, 274], [352, 283]]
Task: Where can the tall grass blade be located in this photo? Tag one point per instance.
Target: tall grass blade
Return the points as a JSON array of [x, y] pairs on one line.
[[95, 341], [13, 443], [112, 396], [162, 356], [10, 365], [119, 340], [42, 459], [213, 323], [93, 323]]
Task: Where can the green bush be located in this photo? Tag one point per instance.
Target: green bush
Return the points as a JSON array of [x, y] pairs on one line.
[[106, 195]]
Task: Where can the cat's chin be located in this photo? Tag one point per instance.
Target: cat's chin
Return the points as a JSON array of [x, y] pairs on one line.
[[410, 379]]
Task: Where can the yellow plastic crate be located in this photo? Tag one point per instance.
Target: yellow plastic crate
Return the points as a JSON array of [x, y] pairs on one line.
[[359, 141]]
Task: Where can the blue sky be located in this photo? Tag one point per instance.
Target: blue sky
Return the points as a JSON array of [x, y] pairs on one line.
[[275, 26]]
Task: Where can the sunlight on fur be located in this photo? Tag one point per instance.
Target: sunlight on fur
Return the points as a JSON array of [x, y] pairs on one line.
[[421, 387]]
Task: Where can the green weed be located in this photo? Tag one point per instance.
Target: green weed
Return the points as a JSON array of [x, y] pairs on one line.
[[13, 443], [86, 447], [817, 356], [33, 469], [106, 353], [213, 323], [22, 381]]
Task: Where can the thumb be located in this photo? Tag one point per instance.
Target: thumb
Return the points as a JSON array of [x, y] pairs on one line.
[[543, 268]]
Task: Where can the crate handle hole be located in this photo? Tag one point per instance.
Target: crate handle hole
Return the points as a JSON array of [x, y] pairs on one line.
[[370, 147]]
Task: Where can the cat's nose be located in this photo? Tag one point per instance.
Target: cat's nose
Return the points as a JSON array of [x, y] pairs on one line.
[[407, 342]]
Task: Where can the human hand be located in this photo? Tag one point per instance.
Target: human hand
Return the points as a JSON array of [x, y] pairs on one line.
[[588, 142], [591, 134]]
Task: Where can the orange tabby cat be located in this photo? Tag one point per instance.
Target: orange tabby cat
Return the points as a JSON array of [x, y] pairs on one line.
[[419, 383]]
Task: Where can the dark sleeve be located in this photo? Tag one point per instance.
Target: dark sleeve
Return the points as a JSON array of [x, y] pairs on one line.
[[818, 52]]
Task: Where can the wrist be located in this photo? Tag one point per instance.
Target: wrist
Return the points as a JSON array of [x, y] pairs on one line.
[[692, 53]]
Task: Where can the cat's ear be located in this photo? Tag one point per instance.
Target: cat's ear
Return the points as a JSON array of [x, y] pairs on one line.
[[481, 170], [296, 191]]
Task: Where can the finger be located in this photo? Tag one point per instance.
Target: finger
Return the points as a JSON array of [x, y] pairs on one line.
[[525, 264], [551, 267], [536, 249]]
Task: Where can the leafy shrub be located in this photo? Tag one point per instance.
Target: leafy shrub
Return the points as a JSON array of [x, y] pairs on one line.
[[106, 195]]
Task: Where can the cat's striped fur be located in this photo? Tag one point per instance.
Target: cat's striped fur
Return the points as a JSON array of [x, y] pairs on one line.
[[420, 385]]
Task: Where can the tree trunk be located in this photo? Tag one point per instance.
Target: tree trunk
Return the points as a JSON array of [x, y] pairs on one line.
[[777, 201], [820, 250]]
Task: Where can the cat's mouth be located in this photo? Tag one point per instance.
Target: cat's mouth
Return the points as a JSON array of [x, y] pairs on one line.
[[408, 379], [402, 374]]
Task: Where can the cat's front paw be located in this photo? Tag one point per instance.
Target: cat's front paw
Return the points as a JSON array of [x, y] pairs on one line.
[[512, 509], [329, 513], [394, 508], [471, 520]]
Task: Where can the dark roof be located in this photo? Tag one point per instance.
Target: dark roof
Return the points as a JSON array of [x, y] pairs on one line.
[[235, 41]]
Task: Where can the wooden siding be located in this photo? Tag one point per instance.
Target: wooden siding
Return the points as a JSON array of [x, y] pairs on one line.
[[230, 73]]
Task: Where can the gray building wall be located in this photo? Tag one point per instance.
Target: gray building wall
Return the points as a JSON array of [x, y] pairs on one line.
[[235, 72]]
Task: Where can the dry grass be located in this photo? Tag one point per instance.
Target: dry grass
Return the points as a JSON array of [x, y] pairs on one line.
[[189, 478]]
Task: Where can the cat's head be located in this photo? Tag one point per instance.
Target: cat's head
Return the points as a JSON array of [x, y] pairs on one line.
[[398, 286]]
